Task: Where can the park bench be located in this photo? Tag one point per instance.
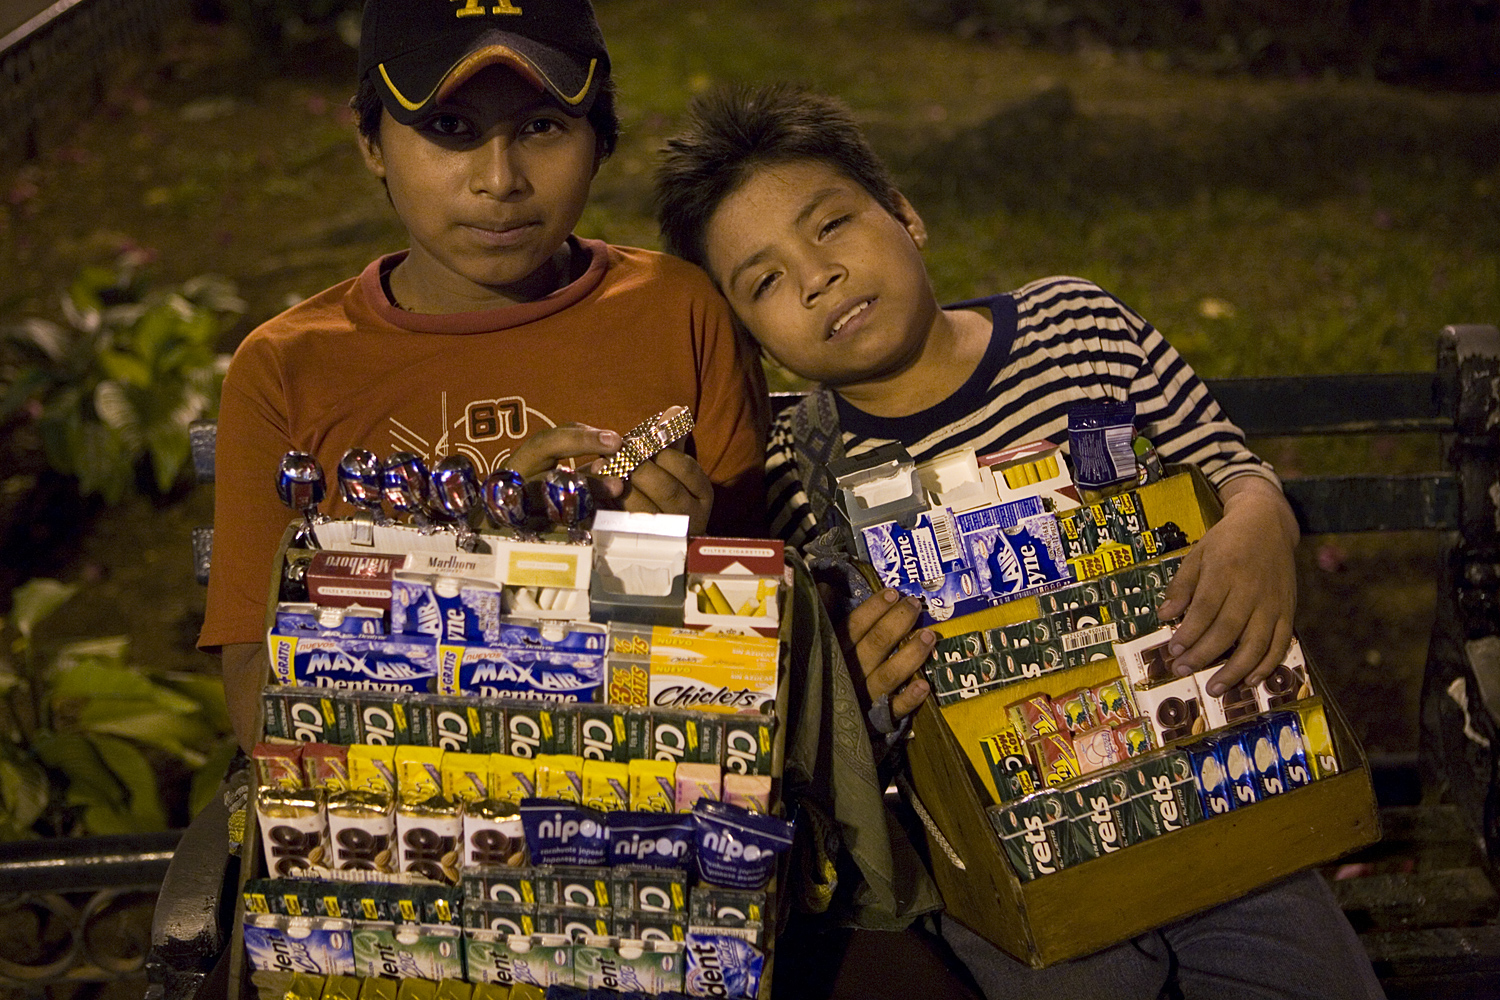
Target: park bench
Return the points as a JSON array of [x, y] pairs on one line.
[[1428, 913]]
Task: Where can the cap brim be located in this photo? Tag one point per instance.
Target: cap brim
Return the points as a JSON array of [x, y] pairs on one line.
[[409, 92]]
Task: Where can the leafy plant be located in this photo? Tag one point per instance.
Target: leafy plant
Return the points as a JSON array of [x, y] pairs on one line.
[[79, 732], [120, 381]]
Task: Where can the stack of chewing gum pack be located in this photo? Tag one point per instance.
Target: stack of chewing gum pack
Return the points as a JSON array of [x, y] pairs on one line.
[[534, 759], [1058, 741]]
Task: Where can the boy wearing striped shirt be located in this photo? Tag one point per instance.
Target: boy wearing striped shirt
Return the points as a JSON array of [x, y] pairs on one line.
[[776, 193]]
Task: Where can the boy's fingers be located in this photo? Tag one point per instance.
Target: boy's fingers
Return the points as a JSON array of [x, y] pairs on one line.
[[1180, 590], [1253, 669], [867, 613], [686, 470], [909, 698], [545, 449], [897, 668], [1249, 650], [1203, 634], [884, 634], [1209, 648], [654, 489]]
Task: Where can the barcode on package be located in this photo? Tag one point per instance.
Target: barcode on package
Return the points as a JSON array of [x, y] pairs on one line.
[[943, 533], [1090, 637]]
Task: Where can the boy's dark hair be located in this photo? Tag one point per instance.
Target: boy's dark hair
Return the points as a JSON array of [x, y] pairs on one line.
[[602, 115], [733, 131]]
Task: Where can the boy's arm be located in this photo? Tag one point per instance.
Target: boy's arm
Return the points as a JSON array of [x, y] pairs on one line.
[[732, 413], [249, 517], [1237, 587], [246, 667]]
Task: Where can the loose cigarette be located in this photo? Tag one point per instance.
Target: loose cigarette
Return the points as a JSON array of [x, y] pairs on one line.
[[717, 601]]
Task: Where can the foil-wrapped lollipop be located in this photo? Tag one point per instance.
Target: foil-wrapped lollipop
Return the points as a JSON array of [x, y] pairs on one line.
[[505, 500], [569, 502], [301, 486], [406, 484], [362, 482], [454, 496]]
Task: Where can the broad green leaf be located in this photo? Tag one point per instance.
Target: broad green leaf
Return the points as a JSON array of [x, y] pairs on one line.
[[48, 337], [135, 773], [100, 820], [88, 779], [215, 292], [110, 650], [208, 692], [34, 600], [97, 683], [101, 461], [114, 407], [153, 332], [24, 791], [169, 449], [83, 316], [176, 734], [91, 280]]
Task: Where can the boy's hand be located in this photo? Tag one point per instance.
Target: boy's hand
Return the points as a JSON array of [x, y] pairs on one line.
[[878, 640], [546, 448], [1237, 587], [670, 483]]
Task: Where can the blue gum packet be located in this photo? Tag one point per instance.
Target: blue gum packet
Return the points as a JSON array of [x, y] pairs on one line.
[[737, 848], [722, 965], [1099, 443], [446, 608], [661, 840], [371, 663], [564, 833]]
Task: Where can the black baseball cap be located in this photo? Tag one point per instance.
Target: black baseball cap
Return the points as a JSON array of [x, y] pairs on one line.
[[416, 52]]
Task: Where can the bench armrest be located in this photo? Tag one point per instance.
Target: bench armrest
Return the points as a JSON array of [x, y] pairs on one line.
[[196, 903]]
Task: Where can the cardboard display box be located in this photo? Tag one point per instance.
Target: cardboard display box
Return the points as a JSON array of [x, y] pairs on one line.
[[240, 981], [1090, 906]]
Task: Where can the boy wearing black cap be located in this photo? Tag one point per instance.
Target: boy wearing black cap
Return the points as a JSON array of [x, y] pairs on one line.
[[498, 334]]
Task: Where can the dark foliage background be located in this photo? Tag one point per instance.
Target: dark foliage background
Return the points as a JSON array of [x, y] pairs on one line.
[[1448, 43]]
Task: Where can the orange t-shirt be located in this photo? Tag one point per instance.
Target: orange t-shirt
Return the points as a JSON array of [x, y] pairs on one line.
[[637, 332]]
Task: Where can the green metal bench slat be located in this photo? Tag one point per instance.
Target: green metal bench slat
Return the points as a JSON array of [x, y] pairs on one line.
[[1333, 504], [1335, 404]]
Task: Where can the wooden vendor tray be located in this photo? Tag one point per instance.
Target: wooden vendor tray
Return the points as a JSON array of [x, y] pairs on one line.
[[241, 984], [1090, 906]]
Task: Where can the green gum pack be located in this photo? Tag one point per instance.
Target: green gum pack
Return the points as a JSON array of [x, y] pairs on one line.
[[487, 959], [542, 960], [747, 743]]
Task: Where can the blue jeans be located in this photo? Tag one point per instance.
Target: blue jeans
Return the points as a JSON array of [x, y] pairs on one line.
[[1288, 940]]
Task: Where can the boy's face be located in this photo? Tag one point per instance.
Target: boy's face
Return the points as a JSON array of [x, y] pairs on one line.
[[830, 283], [489, 187]]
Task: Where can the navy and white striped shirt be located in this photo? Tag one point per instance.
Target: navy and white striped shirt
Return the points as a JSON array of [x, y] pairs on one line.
[[1055, 342]]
